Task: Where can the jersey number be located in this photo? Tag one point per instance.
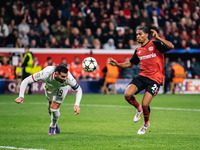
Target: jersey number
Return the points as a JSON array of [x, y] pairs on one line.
[[60, 92], [154, 88]]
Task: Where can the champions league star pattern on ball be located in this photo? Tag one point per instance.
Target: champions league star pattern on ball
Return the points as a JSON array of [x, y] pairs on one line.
[[89, 64]]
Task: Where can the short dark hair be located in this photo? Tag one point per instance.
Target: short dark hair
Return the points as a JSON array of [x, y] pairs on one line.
[[143, 28], [61, 68]]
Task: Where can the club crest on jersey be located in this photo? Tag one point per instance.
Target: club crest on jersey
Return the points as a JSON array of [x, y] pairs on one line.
[[150, 48]]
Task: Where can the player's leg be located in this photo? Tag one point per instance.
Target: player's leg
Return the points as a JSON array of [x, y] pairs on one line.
[[60, 95], [134, 87], [130, 91], [55, 114], [130, 98], [151, 91]]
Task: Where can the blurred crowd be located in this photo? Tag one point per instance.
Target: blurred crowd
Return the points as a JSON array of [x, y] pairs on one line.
[[96, 24]]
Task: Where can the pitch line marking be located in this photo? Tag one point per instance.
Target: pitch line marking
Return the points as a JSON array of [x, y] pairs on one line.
[[10, 147], [111, 106]]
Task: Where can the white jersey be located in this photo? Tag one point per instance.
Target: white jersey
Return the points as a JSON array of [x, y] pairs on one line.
[[54, 90], [47, 76]]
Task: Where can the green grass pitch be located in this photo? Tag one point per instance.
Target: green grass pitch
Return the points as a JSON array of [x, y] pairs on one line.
[[105, 122]]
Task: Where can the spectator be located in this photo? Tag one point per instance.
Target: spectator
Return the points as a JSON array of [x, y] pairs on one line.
[[18, 43], [3, 32], [89, 37], [44, 25], [120, 37], [76, 69], [176, 40], [19, 7], [195, 68], [68, 28], [83, 8], [168, 75], [79, 24], [23, 26], [152, 7], [45, 38], [58, 30], [184, 35], [98, 34], [27, 16], [180, 62], [49, 62], [24, 38], [36, 27], [12, 26], [95, 9], [33, 44], [97, 44], [110, 45], [73, 9], [121, 20], [134, 21], [76, 44], [145, 18], [91, 22], [66, 43], [64, 62], [65, 9], [75, 35], [6, 70], [86, 44], [49, 17], [194, 35], [11, 39], [193, 44], [126, 11], [53, 43]]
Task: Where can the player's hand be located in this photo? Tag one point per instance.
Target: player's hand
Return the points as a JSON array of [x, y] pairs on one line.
[[154, 33], [76, 109], [112, 62], [19, 100]]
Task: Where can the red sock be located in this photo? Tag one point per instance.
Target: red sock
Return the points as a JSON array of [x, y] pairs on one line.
[[146, 113], [131, 100]]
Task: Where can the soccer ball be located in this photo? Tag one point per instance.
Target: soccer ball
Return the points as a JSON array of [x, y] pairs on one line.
[[89, 64]]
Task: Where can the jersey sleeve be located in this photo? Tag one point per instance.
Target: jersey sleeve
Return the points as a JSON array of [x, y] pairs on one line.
[[135, 60], [72, 82], [160, 46], [40, 76]]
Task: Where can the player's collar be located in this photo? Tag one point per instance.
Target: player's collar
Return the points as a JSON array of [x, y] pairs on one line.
[[53, 75], [145, 44]]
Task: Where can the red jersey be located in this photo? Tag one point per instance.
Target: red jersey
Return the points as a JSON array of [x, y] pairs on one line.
[[151, 59]]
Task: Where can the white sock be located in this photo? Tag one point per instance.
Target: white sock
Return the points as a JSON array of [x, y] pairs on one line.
[[55, 114]]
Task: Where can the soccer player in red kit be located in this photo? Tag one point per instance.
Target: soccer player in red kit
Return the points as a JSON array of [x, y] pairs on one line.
[[151, 58]]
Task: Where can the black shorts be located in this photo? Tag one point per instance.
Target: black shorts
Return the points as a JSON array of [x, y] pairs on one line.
[[149, 85]]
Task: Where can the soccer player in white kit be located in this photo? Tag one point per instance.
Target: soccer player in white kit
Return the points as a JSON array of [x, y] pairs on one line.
[[57, 79]]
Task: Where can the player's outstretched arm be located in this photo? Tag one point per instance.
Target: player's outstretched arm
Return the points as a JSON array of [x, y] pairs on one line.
[[23, 86], [79, 94], [167, 43], [76, 109], [121, 65]]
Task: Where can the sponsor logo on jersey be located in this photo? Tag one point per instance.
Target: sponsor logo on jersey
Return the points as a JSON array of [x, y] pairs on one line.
[[148, 56]]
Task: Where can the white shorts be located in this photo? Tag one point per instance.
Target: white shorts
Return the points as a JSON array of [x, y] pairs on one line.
[[57, 95]]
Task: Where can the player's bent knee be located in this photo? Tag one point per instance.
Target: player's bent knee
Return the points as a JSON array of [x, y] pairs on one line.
[[127, 95]]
